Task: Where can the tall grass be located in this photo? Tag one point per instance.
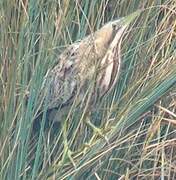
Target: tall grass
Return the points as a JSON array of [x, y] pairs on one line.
[[138, 117]]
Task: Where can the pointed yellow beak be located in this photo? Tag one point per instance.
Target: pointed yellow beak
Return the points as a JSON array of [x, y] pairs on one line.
[[125, 21]]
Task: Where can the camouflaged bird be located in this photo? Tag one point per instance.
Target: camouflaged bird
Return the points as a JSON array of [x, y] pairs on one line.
[[91, 64]]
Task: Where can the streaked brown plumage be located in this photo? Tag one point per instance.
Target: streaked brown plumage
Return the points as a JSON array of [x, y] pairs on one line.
[[91, 64]]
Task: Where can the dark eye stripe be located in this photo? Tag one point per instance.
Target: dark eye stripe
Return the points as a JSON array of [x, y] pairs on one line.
[[116, 27]]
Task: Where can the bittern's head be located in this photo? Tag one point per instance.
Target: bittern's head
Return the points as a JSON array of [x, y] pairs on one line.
[[115, 28]]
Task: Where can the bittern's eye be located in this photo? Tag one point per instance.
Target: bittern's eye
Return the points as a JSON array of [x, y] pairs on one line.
[[116, 27]]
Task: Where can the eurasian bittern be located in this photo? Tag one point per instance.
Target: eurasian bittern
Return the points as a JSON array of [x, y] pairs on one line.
[[87, 69]]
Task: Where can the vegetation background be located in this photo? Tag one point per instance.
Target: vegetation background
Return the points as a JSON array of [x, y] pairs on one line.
[[138, 117]]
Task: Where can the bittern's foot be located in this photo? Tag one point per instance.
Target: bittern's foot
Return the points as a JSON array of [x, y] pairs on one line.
[[97, 131], [67, 152], [67, 155]]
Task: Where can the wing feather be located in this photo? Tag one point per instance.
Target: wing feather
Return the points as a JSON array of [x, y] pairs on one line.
[[61, 82]]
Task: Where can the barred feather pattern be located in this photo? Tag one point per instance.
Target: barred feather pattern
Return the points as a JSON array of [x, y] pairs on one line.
[[95, 58]]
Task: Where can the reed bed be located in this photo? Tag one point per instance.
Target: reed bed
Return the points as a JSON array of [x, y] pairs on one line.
[[137, 117]]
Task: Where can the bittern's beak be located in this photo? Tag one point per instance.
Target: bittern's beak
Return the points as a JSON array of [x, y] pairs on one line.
[[125, 21], [121, 25]]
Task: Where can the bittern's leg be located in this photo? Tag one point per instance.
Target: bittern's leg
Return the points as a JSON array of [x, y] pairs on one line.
[[94, 128], [67, 152]]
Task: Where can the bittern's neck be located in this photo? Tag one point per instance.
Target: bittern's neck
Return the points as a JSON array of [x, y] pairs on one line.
[[104, 36], [118, 37]]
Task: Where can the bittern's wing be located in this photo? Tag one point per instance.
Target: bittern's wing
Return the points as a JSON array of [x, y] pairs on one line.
[[61, 82]]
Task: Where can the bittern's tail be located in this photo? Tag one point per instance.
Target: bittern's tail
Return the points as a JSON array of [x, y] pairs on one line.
[[49, 123]]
